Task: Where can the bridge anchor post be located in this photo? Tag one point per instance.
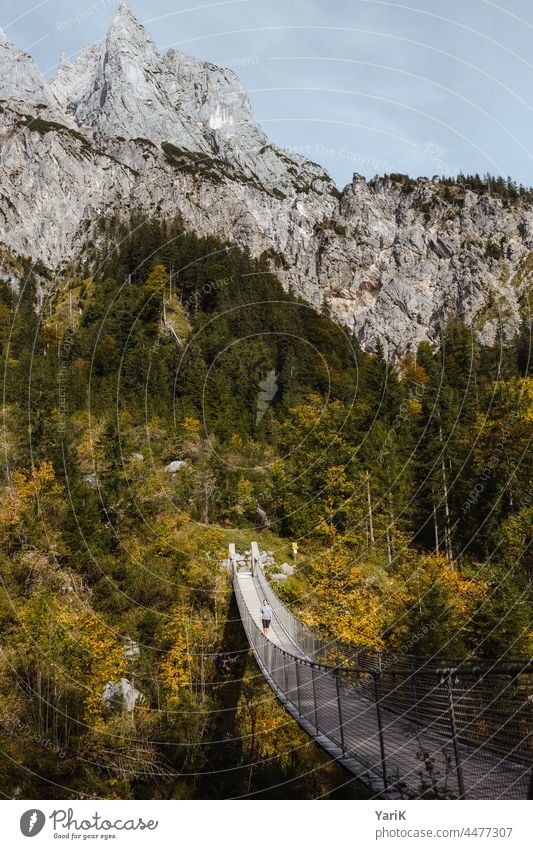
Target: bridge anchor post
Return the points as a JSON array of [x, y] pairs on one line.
[[232, 557], [453, 724], [254, 557], [376, 675], [298, 687], [339, 708], [315, 705]]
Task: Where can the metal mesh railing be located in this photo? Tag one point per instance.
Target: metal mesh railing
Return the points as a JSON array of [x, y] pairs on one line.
[[310, 643], [410, 726]]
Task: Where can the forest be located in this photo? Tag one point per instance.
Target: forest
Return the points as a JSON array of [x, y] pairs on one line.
[[165, 397], [453, 188]]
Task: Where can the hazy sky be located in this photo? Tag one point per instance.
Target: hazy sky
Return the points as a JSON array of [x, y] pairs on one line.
[[422, 86]]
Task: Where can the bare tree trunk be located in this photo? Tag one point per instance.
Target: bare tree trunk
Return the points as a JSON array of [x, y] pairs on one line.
[[189, 655], [436, 528], [370, 519], [39, 701], [447, 528], [390, 532], [206, 509]]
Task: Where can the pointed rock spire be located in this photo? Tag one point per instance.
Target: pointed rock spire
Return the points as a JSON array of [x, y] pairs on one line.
[[125, 29]]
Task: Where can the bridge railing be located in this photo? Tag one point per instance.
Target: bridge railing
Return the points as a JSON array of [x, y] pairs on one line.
[[458, 714], [492, 699], [311, 644], [314, 693]]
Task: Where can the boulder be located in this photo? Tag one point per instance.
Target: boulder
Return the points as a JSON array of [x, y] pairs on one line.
[[175, 466], [124, 689]]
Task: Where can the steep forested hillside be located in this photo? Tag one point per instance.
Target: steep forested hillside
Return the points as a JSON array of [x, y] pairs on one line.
[[170, 397]]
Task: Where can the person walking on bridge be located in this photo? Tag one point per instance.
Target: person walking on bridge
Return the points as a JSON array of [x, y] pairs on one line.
[[266, 616]]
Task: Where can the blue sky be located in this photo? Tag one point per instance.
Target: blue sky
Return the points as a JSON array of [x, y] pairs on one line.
[[421, 86]]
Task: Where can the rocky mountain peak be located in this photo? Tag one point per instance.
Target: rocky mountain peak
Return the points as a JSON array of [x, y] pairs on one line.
[[21, 81], [110, 85], [125, 88], [126, 32]]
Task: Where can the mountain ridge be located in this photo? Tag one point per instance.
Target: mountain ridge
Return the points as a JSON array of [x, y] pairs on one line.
[[126, 127]]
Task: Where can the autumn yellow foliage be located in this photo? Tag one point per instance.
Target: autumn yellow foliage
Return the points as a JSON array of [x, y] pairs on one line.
[[175, 664]]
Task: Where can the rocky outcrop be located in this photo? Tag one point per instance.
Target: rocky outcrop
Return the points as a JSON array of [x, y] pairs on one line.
[[410, 259], [128, 128], [22, 84]]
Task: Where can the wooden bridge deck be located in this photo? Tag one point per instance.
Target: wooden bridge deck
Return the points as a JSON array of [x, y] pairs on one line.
[[420, 761]]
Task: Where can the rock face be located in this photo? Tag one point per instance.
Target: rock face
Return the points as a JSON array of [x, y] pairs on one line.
[[128, 128], [123, 691], [21, 82]]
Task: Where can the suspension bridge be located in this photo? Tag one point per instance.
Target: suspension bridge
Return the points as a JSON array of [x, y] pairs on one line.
[[408, 727]]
